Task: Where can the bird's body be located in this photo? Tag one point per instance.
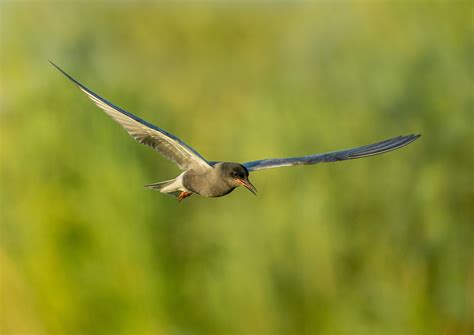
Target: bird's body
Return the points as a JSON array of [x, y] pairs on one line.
[[215, 182], [216, 179]]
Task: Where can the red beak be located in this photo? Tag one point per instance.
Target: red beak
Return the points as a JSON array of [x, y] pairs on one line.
[[248, 185]]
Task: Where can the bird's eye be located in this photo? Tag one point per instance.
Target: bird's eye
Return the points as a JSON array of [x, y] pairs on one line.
[[235, 174]]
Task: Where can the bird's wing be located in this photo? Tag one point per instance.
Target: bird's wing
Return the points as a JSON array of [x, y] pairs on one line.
[[365, 151], [159, 139]]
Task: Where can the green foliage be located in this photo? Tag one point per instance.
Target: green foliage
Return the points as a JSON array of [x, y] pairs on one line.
[[381, 245]]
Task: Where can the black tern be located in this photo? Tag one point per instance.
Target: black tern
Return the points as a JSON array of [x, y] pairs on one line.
[[214, 178]]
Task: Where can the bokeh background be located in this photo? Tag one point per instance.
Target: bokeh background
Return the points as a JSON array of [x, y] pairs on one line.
[[382, 245]]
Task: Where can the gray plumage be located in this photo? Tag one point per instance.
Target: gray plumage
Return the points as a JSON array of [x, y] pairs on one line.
[[146, 133], [360, 152], [215, 179]]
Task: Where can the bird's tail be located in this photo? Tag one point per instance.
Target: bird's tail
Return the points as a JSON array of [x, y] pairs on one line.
[[167, 187], [160, 185]]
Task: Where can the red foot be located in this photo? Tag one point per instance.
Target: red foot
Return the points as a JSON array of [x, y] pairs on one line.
[[183, 195]]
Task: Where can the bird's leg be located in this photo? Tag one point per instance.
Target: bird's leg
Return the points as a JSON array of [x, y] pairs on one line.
[[183, 195]]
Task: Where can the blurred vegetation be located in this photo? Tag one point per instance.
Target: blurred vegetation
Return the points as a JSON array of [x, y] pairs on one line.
[[382, 245]]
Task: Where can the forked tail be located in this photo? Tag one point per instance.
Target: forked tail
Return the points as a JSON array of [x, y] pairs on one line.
[[160, 185], [171, 187]]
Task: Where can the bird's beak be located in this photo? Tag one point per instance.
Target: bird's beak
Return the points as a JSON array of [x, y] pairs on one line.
[[248, 185]]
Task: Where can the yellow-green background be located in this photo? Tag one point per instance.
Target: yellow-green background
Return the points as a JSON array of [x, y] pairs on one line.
[[381, 245]]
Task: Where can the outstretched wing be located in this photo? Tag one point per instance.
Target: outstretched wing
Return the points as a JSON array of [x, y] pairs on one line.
[[159, 139], [365, 151]]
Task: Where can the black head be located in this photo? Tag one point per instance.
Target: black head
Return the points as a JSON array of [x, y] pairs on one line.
[[237, 175], [234, 170]]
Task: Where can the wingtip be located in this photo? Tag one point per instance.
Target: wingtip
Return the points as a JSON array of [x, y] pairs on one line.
[[53, 64], [414, 137], [67, 75], [411, 137], [56, 66]]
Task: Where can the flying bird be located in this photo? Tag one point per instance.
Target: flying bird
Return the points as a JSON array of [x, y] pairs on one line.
[[215, 178]]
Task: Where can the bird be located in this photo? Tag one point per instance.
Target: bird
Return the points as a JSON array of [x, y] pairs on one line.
[[217, 178]]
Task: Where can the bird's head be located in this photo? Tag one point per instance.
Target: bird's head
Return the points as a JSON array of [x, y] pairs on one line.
[[237, 175]]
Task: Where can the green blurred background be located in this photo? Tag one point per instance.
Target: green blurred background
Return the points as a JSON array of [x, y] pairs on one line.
[[382, 245]]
